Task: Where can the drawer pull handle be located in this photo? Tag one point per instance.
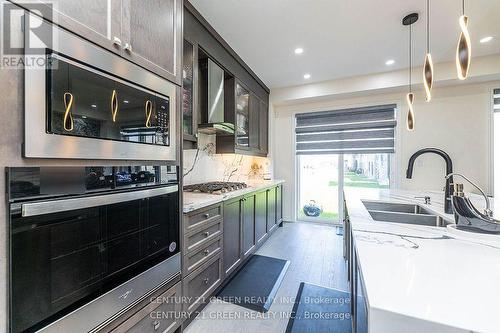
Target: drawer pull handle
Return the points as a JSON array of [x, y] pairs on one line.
[[207, 251], [207, 216], [206, 280], [207, 234], [156, 325]]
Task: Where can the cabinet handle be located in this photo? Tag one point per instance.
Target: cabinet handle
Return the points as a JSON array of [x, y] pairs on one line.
[[114, 105], [128, 47], [68, 115], [207, 251], [117, 41], [206, 280], [207, 234], [207, 216], [148, 108], [156, 325]]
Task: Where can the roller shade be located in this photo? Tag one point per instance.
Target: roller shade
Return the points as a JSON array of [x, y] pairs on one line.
[[358, 130]]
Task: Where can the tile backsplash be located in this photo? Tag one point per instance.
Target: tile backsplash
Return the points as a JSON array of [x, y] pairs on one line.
[[203, 165]]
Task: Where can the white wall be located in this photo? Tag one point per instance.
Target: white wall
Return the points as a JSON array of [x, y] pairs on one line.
[[457, 120]]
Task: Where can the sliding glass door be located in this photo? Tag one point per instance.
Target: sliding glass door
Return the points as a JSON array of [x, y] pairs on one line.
[[318, 188], [366, 174], [323, 179], [341, 151]]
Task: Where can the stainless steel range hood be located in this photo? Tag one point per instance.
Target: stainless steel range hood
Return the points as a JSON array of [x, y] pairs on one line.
[[212, 100]]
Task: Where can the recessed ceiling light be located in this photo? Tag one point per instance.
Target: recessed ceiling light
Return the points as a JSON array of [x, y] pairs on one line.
[[390, 62], [486, 39], [94, 106], [299, 50], [307, 76], [126, 102]]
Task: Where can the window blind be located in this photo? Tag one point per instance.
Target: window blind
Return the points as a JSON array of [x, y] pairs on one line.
[[357, 130]]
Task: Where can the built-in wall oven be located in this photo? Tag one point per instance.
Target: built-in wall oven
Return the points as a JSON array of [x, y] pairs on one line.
[[84, 102], [87, 243]]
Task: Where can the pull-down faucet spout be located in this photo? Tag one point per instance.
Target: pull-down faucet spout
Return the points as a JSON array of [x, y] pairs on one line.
[[449, 170]]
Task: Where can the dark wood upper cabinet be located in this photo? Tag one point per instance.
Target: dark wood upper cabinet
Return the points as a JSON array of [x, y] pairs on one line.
[[249, 113], [148, 33], [242, 112], [264, 128], [245, 96], [254, 123], [152, 35], [189, 93], [96, 20]]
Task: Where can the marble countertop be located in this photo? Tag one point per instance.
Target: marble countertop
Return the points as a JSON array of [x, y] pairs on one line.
[[193, 201], [425, 279]]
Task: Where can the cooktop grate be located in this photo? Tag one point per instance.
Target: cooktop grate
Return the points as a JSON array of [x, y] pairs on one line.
[[215, 187]]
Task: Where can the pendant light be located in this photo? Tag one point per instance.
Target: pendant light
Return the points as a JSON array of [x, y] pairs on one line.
[[463, 47], [428, 71], [408, 20]]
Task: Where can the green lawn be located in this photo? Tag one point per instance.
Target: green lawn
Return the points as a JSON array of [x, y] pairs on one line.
[[354, 180]]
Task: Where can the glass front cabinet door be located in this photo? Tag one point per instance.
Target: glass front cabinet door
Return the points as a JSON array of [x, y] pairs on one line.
[[188, 69], [242, 116]]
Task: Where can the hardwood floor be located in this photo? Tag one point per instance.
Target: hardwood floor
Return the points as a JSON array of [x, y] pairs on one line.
[[315, 254]]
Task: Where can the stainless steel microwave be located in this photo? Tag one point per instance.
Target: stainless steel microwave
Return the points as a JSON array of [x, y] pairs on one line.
[[85, 102]]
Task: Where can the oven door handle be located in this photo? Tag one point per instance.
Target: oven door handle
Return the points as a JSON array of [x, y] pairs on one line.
[[64, 205]]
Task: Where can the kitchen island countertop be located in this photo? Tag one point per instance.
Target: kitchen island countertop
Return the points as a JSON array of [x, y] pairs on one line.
[[421, 278]]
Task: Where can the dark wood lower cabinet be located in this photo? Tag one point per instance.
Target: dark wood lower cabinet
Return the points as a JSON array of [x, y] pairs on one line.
[[199, 285], [260, 216], [272, 221], [248, 225], [232, 235], [279, 204]]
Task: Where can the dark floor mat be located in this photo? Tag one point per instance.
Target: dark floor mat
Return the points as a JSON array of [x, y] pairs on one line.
[[319, 309], [255, 285]]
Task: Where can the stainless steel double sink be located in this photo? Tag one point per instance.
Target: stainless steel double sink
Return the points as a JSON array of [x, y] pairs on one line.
[[403, 213]]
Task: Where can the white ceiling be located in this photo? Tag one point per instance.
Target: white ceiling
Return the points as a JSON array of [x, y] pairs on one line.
[[343, 38]]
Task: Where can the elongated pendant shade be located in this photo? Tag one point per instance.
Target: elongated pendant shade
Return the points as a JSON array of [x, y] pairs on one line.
[[463, 49], [408, 21], [428, 74], [428, 70], [410, 119]]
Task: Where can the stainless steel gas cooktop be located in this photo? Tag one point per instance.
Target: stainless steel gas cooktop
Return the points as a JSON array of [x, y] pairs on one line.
[[215, 187]]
